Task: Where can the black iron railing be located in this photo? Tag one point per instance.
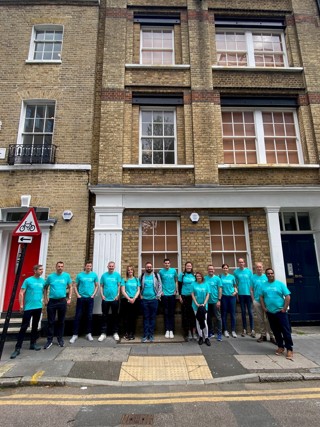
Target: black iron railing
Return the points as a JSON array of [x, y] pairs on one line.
[[31, 154]]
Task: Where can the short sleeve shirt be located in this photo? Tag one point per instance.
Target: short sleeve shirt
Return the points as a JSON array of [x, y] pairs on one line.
[[243, 278], [86, 283], [187, 280], [228, 284], [131, 286], [58, 284], [273, 295], [214, 283], [257, 284], [200, 291], [168, 278], [110, 283], [148, 291], [33, 287]]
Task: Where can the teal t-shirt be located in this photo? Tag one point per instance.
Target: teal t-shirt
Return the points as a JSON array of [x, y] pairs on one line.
[[214, 283], [187, 280], [228, 284], [86, 283], [131, 286], [58, 284], [243, 278], [257, 284], [168, 278], [273, 295], [148, 291], [200, 291], [33, 292], [110, 283]]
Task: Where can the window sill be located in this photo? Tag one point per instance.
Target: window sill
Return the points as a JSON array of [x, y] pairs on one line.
[[259, 69], [49, 167], [33, 61], [269, 165], [158, 166], [159, 67]]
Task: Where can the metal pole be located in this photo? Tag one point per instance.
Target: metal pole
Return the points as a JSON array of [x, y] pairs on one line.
[[12, 298]]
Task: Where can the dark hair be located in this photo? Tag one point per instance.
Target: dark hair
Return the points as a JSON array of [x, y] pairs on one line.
[[188, 262], [59, 262], [129, 266], [37, 266], [268, 269], [166, 259], [224, 265], [200, 274]]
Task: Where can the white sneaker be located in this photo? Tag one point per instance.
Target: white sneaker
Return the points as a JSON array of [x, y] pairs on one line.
[[234, 334], [171, 334], [89, 337], [73, 339], [226, 334], [102, 337], [116, 337], [253, 333], [167, 334]]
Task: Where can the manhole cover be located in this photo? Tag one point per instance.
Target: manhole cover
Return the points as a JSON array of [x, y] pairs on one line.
[[137, 419]]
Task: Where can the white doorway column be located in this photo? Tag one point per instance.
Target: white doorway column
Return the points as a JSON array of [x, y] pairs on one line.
[[275, 243], [107, 242]]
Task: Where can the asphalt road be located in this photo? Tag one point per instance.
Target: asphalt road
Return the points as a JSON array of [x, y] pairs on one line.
[[257, 405]]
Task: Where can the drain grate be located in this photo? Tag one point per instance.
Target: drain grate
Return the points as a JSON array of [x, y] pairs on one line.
[[137, 419]]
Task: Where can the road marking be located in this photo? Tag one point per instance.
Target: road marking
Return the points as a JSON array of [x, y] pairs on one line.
[[5, 368], [160, 398], [35, 377]]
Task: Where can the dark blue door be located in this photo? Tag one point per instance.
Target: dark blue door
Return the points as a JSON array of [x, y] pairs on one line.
[[302, 276]]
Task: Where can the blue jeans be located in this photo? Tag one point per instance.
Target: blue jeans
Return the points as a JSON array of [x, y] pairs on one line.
[[246, 302], [213, 310], [35, 314], [169, 305], [83, 304], [56, 306], [280, 325], [228, 305], [149, 311], [114, 315]]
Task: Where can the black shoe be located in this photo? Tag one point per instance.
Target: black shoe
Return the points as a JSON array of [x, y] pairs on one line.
[[262, 338], [207, 341], [200, 342], [132, 337], [60, 343], [15, 353], [47, 345], [35, 347], [127, 337]]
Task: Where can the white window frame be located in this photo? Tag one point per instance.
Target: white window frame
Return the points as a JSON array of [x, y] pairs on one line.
[[247, 239], [248, 33], [44, 27], [157, 28], [177, 220], [259, 133], [158, 108]]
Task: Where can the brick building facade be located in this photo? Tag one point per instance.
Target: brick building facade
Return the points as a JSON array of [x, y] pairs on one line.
[[164, 109]]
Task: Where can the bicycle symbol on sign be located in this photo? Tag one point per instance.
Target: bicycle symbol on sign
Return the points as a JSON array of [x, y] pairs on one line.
[[29, 226]]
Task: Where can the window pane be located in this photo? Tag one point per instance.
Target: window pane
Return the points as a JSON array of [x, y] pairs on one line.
[[228, 243], [304, 221], [227, 227], [147, 243], [238, 227]]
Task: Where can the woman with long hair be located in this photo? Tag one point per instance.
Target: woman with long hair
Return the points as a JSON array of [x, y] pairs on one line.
[[186, 280], [130, 289], [229, 300], [200, 296]]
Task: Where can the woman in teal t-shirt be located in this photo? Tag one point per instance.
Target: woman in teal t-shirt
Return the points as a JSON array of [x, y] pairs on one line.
[[228, 301], [130, 289], [200, 295], [185, 284]]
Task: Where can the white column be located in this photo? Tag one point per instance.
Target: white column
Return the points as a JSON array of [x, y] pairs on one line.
[[315, 226], [107, 242], [275, 243]]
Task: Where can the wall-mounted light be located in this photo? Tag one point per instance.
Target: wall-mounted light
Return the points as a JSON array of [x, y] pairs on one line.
[[67, 215], [194, 217], [25, 201]]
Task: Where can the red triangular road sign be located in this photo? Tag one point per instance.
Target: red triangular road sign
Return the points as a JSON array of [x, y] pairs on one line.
[[28, 226]]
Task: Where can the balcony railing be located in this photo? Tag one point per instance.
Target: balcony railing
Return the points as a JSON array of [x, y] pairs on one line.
[[31, 154]]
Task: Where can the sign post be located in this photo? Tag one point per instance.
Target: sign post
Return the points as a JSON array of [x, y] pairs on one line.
[[27, 228]]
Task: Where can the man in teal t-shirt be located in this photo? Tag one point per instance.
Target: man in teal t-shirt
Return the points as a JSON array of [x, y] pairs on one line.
[[275, 300], [214, 303], [30, 300], [57, 283], [86, 287], [169, 279], [110, 283], [258, 282], [243, 277]]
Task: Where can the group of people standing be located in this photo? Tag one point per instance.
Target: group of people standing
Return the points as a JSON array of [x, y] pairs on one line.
[[202, 298]]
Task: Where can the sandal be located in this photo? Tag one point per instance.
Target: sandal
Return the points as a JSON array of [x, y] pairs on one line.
[[289, 355], [279, 351]]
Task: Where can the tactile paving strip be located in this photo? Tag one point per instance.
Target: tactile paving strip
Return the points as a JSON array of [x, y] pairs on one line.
[[164, 368]]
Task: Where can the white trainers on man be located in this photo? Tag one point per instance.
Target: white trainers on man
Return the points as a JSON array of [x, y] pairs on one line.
[[116, 337], [102, 337], [73, 339], [233, 333], [171, 334], [167, 334], [89, 337]]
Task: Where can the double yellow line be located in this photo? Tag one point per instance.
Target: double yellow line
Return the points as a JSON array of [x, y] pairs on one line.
[[159, 398]]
